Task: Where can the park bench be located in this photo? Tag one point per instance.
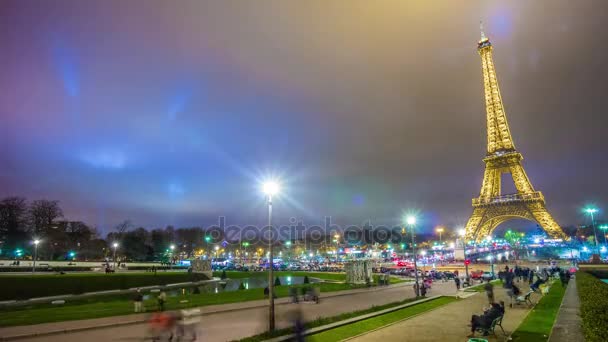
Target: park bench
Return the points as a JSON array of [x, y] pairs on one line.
[[487, 330], [522, 299]]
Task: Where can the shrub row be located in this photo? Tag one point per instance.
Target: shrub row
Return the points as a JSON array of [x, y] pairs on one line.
[[84, 268], [46, 269], [593, 295], [23, 287]]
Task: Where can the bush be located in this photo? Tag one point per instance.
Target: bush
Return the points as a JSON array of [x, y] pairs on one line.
[[24, 287], [277, 281], [306, 280], [223, 276], [241, 286], [593, 295]]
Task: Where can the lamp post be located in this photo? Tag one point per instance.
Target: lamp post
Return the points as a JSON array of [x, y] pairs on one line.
[[288, 245], [270, 188], [603, 228], [115, 245], [216, 248], [439, 230], [411, 221], [207, 240], [36, 242], [172, 247], [462, 233], [592, 211], [337, 240]]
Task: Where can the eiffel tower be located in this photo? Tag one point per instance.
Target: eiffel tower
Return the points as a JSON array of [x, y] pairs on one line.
[[492, 208]]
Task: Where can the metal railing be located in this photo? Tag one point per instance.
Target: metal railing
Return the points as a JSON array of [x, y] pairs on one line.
[[537, 195]]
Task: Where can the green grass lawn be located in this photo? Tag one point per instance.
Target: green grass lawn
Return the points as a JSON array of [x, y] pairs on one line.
[[320, 275], [325, 320], [32, 286], [122, 305], [360, 327], [539, 322], [114, 305]]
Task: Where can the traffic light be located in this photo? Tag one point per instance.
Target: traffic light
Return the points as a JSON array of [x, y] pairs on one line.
[[467, 262]]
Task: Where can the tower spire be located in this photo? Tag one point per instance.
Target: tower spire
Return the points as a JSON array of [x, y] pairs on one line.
[[483, 35], [499, 135]]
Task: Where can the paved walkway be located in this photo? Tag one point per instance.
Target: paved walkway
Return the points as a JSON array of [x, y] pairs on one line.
[[449, 322], [243, 319], [567, 326]]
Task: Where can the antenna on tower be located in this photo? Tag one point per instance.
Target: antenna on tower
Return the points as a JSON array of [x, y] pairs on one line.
[[483, 35]]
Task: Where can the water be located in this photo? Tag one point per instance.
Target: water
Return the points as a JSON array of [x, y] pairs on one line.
[[233, 285], [604, 280]]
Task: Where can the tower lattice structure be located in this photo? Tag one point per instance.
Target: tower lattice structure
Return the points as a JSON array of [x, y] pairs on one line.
[[492, 208]]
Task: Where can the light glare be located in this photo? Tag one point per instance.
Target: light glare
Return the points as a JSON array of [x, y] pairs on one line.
[[271, 188], [411, 220]]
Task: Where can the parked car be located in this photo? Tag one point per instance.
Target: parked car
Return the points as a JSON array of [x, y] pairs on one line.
[[476, 274], [488, 276]]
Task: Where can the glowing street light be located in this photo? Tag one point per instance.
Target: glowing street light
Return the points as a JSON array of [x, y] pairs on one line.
[[592, 211], [115, 245], [604, 227], [172, 248], [270, 188], [411, 221], [36, 242], [439, 230]]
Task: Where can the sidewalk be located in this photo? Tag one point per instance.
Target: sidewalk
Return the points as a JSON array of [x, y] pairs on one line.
[[449, 322], [567, 326], [45, 329]]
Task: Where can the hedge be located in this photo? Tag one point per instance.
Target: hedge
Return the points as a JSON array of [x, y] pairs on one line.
[[23, 287], [84, 268], [46, 269], [593, 295]]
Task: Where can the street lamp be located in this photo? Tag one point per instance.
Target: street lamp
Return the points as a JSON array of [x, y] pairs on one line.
[[270, 188], [462, 232], [172, 247], [439, 230], [36, 242], [288, 245], [603, 228], [592, 211], [216, 250], [411, 221], [207, 240], [115, 245]]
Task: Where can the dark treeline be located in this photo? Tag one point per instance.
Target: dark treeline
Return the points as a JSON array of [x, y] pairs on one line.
[[21, 222]]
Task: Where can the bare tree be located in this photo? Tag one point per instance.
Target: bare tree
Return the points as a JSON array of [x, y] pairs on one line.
[[13, 221], [122, 228], [43, 214]]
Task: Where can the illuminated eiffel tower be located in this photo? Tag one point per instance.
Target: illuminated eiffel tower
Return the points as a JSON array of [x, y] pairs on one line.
[[492, 208]]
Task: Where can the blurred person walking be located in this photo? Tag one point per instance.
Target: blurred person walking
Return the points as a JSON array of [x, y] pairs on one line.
[[138, 300]]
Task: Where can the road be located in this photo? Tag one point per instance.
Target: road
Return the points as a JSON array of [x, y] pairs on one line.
[[228, 326]]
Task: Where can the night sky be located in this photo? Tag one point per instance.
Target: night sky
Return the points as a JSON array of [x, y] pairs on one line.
[[172, 112]]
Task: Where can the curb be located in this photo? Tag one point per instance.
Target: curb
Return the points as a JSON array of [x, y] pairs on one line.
[[334, 325], [139, 321]]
